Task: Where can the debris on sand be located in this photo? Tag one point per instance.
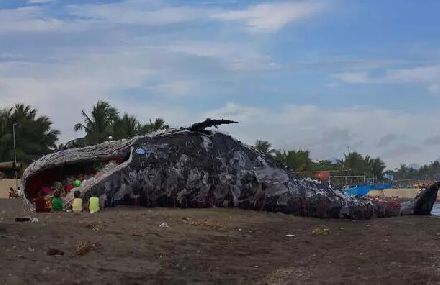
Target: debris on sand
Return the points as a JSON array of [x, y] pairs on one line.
[[93, 227], [164, 225], [204, 223], [85, 247], [321, 231], [22, 219], [54, 252]]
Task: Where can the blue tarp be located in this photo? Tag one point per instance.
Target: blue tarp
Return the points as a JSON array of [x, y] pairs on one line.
[[362, 190]]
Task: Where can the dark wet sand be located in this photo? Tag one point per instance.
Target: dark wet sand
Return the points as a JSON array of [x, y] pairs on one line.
[[216, 246]]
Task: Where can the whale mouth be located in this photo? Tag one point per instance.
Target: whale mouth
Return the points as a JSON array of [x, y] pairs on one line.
[[50, 179], [58, 170]]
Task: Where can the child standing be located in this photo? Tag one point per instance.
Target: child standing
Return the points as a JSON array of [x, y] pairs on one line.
[[57, 202], [77, 202], [94, 204]]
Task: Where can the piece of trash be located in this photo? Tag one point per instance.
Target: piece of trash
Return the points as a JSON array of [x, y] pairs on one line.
[[204, 223], [34, 220], [290, 235], [85, 247], [54, 251], [239, 230], [164, 225], [93, 227], [321, 231], [22, 220]]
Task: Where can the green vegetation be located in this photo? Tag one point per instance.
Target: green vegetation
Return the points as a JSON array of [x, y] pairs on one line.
[[363, 165], [99, 125], [104, 122], [427, 171], [353, 163], [263, 146], [298, 161], [34, 134]]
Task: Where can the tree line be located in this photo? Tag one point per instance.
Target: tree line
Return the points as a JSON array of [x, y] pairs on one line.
[[424, 172], [299, 161]]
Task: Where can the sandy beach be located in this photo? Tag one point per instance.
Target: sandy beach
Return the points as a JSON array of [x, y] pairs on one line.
[[215, 246], [402, 193]]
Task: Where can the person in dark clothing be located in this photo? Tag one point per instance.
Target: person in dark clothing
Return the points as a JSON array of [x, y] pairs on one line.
[[12, 193], [40, 204]]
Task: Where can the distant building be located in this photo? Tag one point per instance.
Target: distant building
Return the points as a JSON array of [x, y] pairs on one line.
[[8, 169]]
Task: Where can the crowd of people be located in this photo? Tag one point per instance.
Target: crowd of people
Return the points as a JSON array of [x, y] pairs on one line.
[[50, 199]]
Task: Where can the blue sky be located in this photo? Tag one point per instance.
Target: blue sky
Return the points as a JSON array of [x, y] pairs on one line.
[[327, 76]]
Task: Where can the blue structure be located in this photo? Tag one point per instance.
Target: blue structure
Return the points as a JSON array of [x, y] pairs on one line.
[[363, 189]]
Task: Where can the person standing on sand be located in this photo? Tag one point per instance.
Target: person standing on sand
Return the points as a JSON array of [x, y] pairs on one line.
[[93, 204], [77, 205], [57, 203]]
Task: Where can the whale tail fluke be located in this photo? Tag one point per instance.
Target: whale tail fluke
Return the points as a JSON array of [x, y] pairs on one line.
[[425, 200]]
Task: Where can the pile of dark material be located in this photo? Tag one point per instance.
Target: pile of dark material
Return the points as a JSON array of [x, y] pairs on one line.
[[195, 167]]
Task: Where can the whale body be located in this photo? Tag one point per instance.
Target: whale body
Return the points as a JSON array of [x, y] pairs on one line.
[[202, 168]]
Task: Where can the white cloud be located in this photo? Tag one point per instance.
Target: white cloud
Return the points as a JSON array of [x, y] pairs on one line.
[[328, 132], [432, 140], [388, 139], [34, 19], [233, 56], [61, 90], [354, 77], [40, 1], [177, 89], [426, 75], [271, 17], [151, 13], [415, 74], [434, 88], [27, 19], [268, 17]]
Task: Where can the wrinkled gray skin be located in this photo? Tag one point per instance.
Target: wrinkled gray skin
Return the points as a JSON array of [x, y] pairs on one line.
[[182, 168]]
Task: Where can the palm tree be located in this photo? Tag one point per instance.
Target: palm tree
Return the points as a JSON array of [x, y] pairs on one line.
[[34, 134], [104, 121], [99, 125], [296, 160], [126, 127], [158, 124], [377, 167], [263, 146]]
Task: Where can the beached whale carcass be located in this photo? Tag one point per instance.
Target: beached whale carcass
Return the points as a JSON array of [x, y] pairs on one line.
[[195, 167]]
